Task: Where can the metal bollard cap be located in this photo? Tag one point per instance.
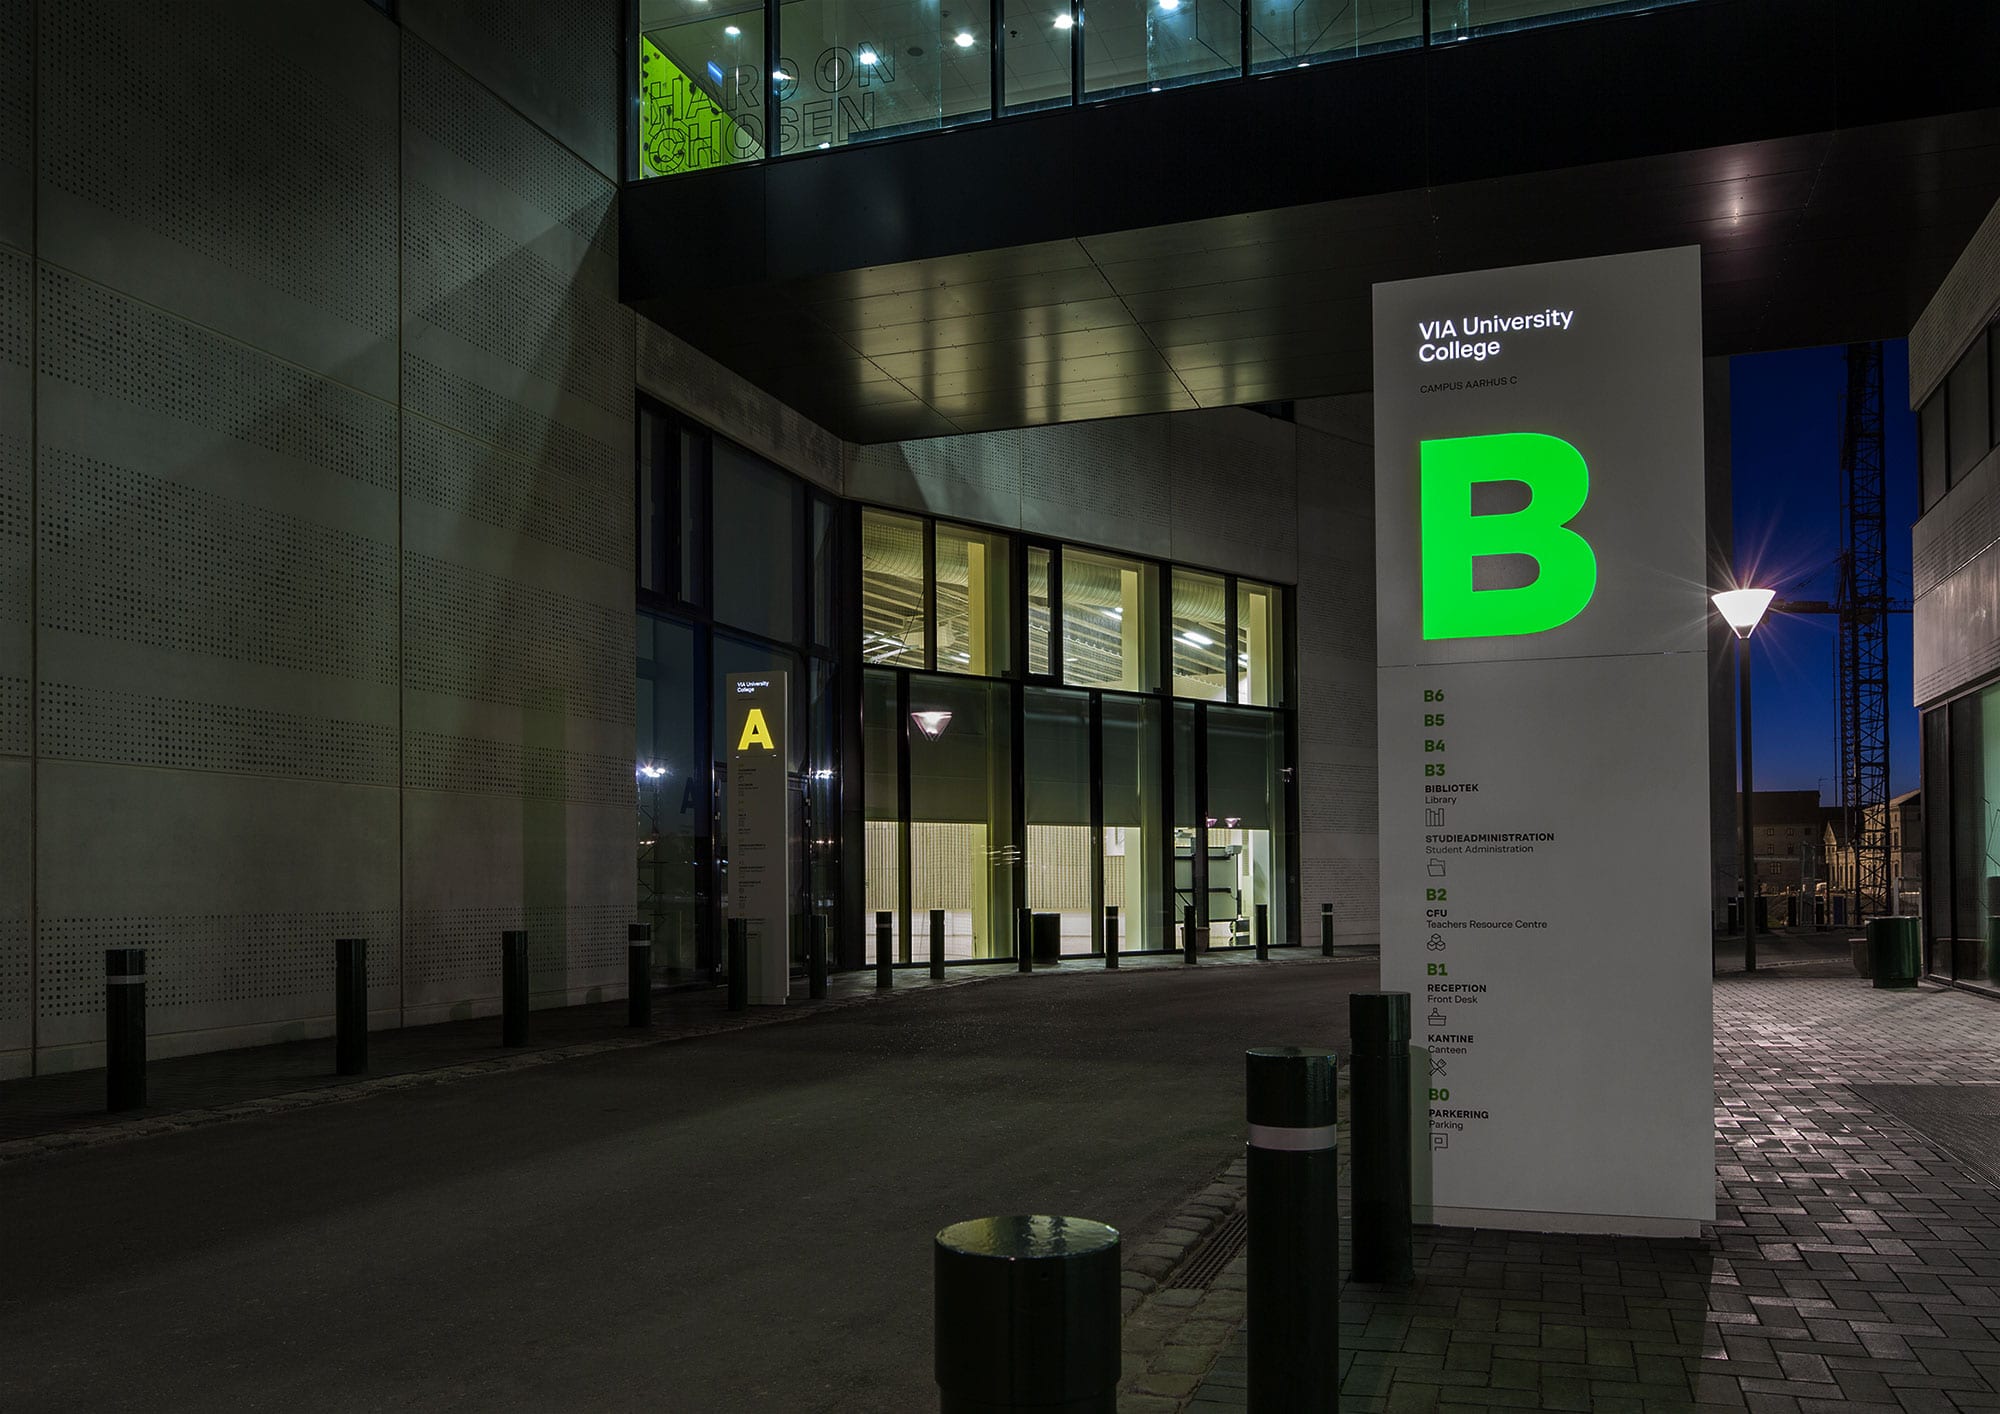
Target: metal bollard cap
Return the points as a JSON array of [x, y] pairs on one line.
[[1378, 1023], [1027, 1314], [1289, 1087]]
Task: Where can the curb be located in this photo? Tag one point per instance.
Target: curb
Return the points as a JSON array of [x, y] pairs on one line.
[[97, 1136]]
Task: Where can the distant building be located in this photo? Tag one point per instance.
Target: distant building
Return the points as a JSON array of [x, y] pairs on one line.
[[1906, 857]]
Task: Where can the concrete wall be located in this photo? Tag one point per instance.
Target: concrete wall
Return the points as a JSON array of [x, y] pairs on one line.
[[1955, 547], [315, 511], [1228, 490]]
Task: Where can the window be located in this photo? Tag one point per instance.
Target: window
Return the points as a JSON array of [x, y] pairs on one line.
[[1041, 612], [1037, 54], [1288, 36], [1966, 395], [972, 601], [701, 84], [1260, 644], [1933, 462], [673, 793], [1133, 46], [892, 590], [849, 71], [1200, 630], [760, 515], [961, 813], [672, 509], [1247, 833], [1110, 625]]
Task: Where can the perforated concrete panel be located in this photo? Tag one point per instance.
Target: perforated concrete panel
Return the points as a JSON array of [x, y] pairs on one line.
[[517, 613], [16, 528], [17, 123], [554, 60], [232, 161], [236, 885]]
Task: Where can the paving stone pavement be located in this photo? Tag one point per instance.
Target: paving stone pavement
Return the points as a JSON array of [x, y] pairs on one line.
[[1854, 1265]]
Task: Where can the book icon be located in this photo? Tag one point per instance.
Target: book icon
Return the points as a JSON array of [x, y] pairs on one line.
[[1434, 815]]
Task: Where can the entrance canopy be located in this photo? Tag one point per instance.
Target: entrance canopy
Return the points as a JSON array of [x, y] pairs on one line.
[[1216, 245]]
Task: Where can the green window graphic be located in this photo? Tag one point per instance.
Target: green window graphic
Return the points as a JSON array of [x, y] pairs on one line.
[[1454, 538]]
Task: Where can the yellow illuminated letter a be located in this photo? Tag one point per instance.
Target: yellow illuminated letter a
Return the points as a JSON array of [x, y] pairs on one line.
[[755, 732]]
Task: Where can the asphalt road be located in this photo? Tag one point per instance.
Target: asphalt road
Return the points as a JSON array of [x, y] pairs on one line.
[[740, 1222]]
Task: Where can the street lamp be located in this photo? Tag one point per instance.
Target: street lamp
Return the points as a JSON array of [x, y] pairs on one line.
[[1743, 609]]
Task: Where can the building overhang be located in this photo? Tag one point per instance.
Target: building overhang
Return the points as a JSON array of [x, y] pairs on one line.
[[1216, 245]]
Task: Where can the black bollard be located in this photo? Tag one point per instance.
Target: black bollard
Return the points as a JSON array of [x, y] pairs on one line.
[[350, 1006], [739, 964], [1187, 935], [1026, 1316], [1263, 926], [638, 974], [1024, 939], [1048, 939], [816, 958], [937, 944], [514, 988], [1111, 935], [1378, 1108], [1291, 1177], [124, 1028], [1326, 930], [885, 964]]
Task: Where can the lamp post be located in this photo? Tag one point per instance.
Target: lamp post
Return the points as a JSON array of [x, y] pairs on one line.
[[1743, 609]]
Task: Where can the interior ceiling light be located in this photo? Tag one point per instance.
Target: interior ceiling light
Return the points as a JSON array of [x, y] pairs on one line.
[[780, 75], [1170, 5], [731, 30], [1064, 21], [963, 39], [869, 57], [931, 724], [1199, 640]]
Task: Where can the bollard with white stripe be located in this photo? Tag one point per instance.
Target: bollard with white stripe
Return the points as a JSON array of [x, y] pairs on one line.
[[1292, 1172], [124, 1028], [638, 974]]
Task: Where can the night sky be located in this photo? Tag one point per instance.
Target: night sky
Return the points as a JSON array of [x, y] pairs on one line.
[[1785, 449]]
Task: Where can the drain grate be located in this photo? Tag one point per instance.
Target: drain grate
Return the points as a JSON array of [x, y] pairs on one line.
[[1206, 1262]]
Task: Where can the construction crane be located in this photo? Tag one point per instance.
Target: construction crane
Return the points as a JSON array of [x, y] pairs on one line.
[[1862, 606]]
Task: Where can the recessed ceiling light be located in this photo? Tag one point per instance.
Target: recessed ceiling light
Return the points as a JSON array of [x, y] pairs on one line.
[[963, 39], [1064, 21], [868, 56], [824, 146], [731, 30], [1302, 63], [780, 75], [1170, 5], [1199, 640], [1156, 88]]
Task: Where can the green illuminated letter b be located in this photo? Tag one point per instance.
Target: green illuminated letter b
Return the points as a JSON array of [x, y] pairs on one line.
[[1453, 537]]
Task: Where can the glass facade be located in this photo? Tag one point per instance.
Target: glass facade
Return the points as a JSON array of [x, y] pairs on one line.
[[835, 72], [701, 618], [980, 724], [701, 85], [1959, 423], [1962, 836]]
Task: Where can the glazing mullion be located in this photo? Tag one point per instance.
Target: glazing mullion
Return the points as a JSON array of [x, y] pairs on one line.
[[1231, 669], [1198, 864], [930, 596], [1075, 51], [1097, 938], [904, 811], [773, 104], [996, 27]]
